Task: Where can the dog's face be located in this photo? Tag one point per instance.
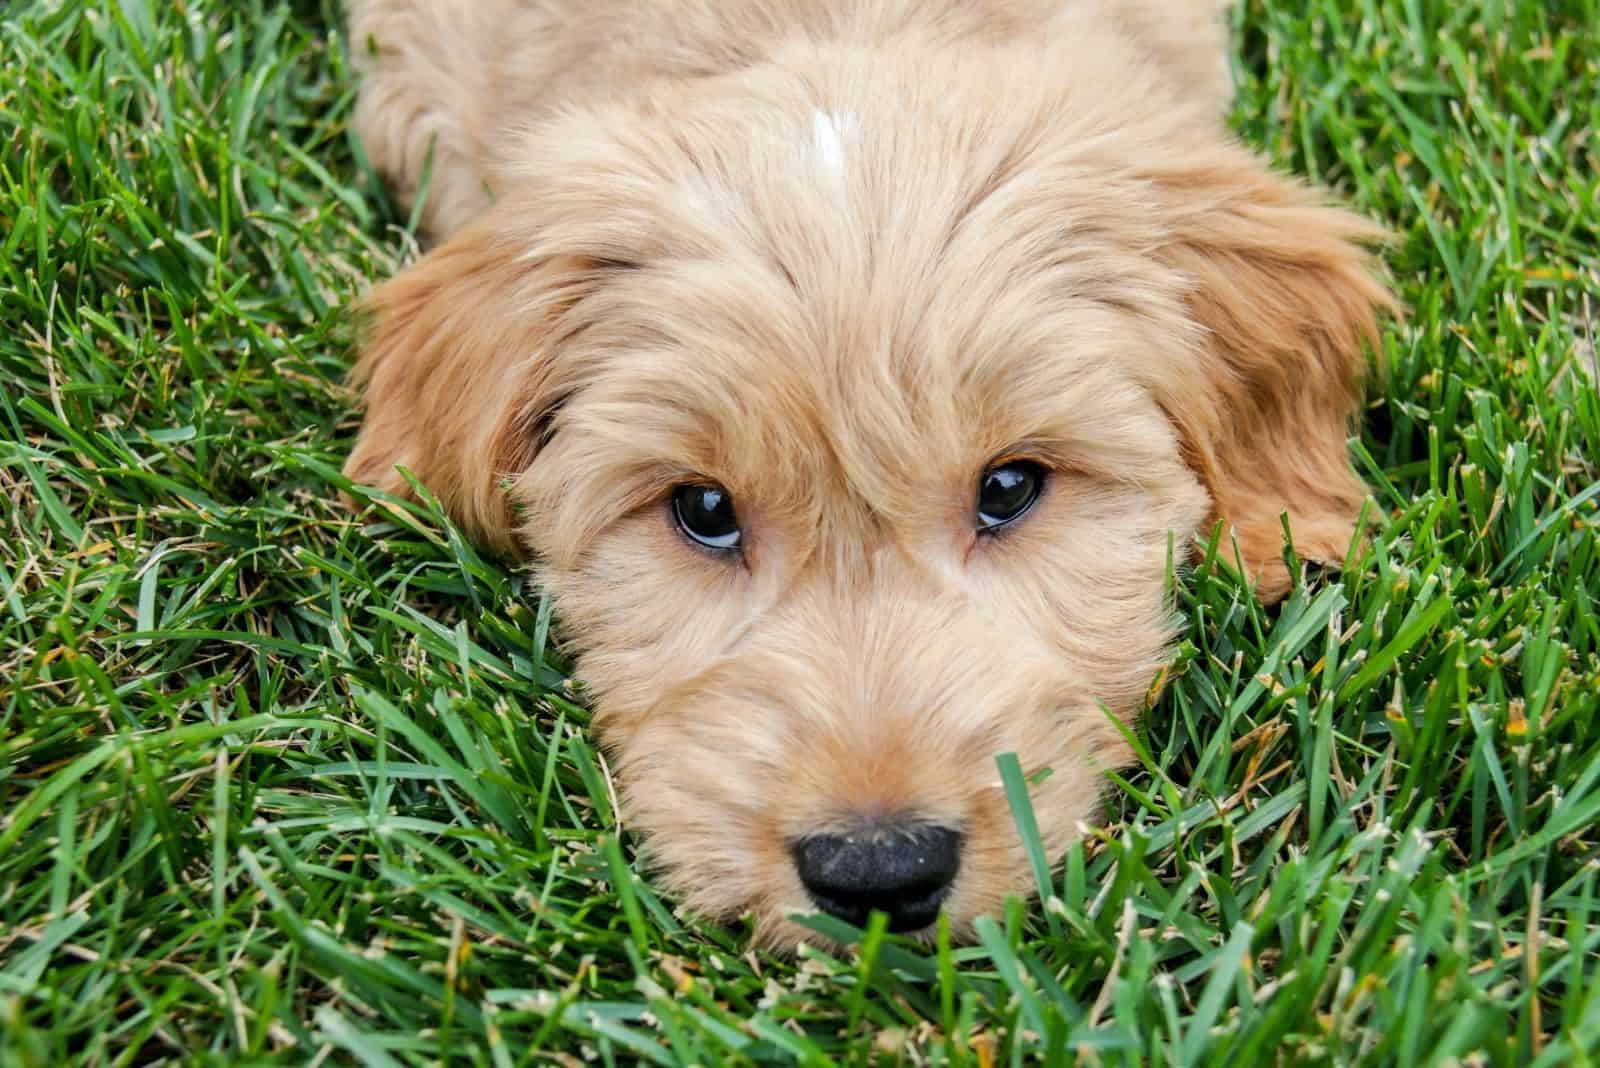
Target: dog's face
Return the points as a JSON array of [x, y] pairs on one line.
[[853, 428]]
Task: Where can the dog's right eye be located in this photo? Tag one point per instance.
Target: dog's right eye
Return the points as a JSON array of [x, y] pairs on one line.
[[705, 513], [1007, 492]]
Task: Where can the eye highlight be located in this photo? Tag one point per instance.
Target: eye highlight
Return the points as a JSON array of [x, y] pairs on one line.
[[705, 515], [1007, 492]]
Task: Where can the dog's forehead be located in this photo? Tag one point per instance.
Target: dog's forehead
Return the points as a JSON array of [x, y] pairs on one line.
[[838, 299], [892, 392], [830, 132]]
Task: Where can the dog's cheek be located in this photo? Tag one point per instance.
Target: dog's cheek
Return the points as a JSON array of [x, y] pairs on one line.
[[703, 782], [644, 613], [1089, 580], [646, 616]]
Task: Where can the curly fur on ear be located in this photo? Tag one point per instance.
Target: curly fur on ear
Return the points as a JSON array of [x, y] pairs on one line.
[[1282, 286], [460, 373]]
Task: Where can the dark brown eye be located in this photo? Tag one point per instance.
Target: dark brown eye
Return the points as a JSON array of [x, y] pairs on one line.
[[1007, 492], [706, 515]]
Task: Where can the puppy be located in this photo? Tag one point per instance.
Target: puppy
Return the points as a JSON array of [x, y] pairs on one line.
[[848, 369]]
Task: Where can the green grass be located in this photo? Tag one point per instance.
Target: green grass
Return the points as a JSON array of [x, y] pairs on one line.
[[280, 783]]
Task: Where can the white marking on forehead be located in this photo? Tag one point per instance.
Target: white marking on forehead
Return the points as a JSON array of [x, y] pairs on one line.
[[828, 132]]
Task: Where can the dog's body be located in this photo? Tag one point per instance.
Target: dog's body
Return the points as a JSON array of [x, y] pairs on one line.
[[853, 266]]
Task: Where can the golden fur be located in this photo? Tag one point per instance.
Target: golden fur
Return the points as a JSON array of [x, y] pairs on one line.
[[840, 256]]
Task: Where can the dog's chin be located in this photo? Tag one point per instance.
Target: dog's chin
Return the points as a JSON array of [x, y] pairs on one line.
[[802, 925], [795, 921]]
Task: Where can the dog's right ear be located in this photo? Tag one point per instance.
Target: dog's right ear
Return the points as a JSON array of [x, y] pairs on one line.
[[461, 371]]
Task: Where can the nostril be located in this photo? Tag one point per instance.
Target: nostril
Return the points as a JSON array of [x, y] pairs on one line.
[[905, 872]]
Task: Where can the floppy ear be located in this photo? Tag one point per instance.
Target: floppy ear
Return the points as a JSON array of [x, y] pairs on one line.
[[1283, 291], [462, 370]]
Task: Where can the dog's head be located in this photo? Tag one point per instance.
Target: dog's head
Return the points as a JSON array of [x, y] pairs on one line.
[[851, 420]]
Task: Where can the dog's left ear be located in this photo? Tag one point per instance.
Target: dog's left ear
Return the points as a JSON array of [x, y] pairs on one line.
[[1282, 289], [463, 366]]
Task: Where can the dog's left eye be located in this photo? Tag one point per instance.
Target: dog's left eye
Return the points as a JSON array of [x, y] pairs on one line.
[[1007, 492], [705, 513]]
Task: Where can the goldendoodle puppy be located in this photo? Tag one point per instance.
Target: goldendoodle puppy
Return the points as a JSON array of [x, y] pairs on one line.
[[849, 369]]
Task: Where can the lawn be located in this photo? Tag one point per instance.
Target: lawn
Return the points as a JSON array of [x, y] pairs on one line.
[[280, 782]]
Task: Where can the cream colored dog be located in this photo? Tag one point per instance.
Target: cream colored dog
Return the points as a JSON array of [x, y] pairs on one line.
[[846, 368]]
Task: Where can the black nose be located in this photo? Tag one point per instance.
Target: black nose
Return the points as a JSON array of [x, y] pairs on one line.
[[904, 872]]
